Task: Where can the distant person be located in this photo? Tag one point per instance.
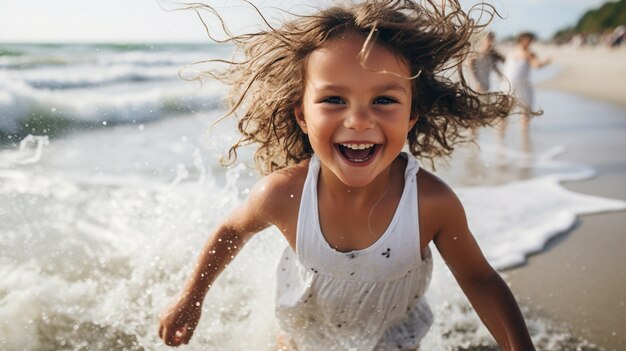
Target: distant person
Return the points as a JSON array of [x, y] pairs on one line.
[[617, 36], [482, 62], [518, 65]]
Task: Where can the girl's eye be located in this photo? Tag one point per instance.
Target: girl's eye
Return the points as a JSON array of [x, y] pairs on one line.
[[333, 100], [384, 100]]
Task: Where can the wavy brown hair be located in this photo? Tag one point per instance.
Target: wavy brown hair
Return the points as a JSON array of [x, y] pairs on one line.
[[433, 38]]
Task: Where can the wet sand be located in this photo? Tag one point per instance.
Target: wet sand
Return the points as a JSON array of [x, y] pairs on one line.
[[580, 279]]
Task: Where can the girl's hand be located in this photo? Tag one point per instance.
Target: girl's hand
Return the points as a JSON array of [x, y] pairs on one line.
[[265, 206], [178, 322]]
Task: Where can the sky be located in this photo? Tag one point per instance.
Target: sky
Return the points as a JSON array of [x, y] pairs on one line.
[[63, 21]]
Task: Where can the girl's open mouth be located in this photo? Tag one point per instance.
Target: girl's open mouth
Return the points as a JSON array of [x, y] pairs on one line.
[[357, 153]]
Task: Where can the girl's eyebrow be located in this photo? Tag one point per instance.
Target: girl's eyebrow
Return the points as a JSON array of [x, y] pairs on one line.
[[391, 86]]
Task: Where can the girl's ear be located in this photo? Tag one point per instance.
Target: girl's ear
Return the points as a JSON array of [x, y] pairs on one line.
[[412, 120], [299, 114]]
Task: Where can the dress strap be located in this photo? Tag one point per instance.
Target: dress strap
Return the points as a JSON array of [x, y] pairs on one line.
[[305, 242]]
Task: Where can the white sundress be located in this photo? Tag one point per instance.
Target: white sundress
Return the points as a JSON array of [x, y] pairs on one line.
[[517, 72], [370, 299]]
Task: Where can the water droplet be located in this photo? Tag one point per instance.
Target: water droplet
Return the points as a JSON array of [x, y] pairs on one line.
[[104, 123]]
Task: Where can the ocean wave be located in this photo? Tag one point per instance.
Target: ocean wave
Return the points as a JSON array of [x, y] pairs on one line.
[[55, 88], [23, 57], [26, 110], [93, 70], [26, 62], [10, 53], [90, 76]]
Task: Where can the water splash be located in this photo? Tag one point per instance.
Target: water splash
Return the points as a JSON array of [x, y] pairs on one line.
[[40, 141]]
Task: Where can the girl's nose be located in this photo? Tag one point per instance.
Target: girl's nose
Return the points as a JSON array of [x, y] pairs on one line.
[[359, 119]]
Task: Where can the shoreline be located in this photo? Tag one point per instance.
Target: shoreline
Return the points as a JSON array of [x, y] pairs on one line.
[[577, 279]]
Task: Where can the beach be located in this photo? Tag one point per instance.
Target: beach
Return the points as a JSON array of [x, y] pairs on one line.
[[580, 279], [594, 72], [110, 182]]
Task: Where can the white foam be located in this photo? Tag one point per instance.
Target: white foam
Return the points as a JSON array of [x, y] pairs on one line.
[[40, 141], [516, 219]]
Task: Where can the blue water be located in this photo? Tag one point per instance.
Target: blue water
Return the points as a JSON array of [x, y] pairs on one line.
[[54, 89], [110, 183]]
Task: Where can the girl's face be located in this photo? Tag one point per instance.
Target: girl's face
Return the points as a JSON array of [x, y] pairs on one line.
[[487, 43], [357, 119], [525, 42]]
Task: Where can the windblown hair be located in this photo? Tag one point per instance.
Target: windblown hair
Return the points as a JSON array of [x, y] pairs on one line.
[[526, 35], [433, 38]]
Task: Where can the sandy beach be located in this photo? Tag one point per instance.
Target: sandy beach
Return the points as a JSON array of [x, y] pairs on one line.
[[579, 278], [595, 72]]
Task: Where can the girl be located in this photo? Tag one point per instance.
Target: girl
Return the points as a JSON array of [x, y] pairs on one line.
[[517, 72], [332, 99], [482, 62]]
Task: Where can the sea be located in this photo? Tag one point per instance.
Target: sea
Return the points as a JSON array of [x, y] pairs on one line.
[[111, 181]]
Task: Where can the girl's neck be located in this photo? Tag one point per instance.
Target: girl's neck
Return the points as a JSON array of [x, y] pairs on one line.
[[328, 183]]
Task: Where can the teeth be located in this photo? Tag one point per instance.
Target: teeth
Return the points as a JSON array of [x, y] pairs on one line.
[[357, 146]]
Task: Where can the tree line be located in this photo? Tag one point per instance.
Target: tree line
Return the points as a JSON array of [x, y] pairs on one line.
[[597, 21]]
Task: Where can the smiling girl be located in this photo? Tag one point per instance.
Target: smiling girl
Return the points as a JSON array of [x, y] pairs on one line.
[[332, 100]]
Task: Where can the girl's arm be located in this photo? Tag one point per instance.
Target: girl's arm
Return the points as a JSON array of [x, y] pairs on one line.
[[178, 321], [535, 62], [483, 286]]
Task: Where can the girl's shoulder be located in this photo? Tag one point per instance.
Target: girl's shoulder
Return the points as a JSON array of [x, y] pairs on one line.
[[432, 188], [280, 189], [438, 204], [288, 178]]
